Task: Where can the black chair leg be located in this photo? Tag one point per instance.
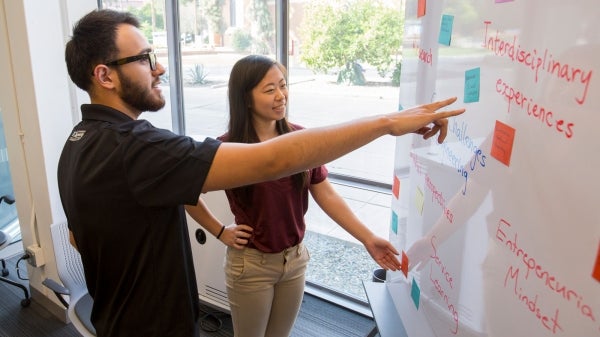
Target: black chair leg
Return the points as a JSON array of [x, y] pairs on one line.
[[27, 300], [4, 269]]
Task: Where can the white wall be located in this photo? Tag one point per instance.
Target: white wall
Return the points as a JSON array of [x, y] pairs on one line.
[[39, 107]]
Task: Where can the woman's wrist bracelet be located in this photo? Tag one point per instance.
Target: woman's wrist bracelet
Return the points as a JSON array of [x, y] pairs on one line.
[[221, 231]]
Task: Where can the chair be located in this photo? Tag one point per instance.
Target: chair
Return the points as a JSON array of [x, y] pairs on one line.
[[5, 240], [70, 272]]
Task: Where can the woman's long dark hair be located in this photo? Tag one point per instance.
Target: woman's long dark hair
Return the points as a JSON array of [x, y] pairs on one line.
[[245, 75]]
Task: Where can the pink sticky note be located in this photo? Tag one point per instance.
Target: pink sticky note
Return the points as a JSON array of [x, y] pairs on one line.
[[404, 266], [502, 143], [421, 8], [396, 187]]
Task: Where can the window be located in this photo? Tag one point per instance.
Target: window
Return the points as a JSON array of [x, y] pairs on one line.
[[340, 92], [209, 36], [8, 210]]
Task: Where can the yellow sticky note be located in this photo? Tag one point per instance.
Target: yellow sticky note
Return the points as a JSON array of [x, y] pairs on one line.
[[419, 200]]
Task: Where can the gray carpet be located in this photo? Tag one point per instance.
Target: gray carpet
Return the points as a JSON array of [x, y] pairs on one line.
[[317, 318], [32, 321]]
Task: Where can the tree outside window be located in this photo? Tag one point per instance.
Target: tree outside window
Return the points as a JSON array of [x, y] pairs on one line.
[[341, 34]]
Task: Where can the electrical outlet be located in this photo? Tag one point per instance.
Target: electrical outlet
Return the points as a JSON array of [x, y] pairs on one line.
[[36, 255]]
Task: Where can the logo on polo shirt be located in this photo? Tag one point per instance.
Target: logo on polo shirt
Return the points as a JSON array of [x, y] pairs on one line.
[[76, 135]]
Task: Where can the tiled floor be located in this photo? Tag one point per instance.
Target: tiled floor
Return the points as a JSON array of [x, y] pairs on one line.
[[338, 260]]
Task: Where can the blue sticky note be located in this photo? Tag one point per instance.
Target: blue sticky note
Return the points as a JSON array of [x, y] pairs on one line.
[[415, 293], [394, 222], [472, 84], [446, 29]]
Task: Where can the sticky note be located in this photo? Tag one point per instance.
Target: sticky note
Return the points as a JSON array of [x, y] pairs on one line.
[[421, 8], [394, 222], [446, 29], [419, 200], [396, 187], [472, 84], [404, 266], [502, 143], [596, 272], [415, 293]]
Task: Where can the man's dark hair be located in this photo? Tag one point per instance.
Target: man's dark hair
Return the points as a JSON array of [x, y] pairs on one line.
[[93, 43]]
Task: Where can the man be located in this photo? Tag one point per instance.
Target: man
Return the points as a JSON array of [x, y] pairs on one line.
[[123, 182]]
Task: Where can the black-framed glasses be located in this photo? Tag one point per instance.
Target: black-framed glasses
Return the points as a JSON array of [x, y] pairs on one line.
[[150, 56]]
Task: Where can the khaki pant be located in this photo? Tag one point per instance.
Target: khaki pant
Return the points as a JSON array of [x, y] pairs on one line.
[[265, 290]]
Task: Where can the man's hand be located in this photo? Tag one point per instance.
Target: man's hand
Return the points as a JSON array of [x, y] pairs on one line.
[[424, 120]]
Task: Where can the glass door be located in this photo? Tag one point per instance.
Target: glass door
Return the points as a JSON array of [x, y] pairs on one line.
[[9, 223]]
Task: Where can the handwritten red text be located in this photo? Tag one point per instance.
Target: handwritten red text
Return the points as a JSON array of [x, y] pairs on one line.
[[534, 110], [437, 196], [508, 237], [439, 286], [536, 61], [425, 56]]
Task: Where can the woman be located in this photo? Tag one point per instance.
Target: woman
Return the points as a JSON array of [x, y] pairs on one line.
[[266, 259]]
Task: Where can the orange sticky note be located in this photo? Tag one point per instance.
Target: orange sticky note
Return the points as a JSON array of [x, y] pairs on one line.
[[404, 266], [421, 8], [596, 272], [396, 187], [502, 143]]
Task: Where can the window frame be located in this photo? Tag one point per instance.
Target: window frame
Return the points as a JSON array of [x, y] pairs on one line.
[[177, 105]]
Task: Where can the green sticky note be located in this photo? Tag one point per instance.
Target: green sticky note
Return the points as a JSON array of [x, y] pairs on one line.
[[415, 293], [472, 84], [394, 222], [446, 29]]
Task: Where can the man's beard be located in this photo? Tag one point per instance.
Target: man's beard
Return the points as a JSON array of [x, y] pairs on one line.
[[138, 97]]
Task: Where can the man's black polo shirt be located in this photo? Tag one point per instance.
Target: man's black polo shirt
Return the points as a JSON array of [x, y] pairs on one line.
[[122, 184]]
